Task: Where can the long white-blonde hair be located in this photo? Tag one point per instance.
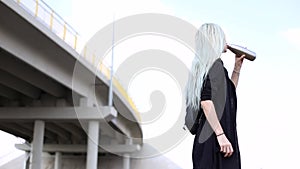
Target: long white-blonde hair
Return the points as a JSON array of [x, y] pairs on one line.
[[210, 42]]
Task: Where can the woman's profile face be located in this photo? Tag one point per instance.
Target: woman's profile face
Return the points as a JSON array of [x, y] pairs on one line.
[[225, 48]]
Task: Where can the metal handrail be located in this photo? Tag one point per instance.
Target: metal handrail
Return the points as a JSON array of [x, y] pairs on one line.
[[59, 16], [40, 10]]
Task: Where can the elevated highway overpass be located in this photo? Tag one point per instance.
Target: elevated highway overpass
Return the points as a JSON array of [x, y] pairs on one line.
[[43, 102]]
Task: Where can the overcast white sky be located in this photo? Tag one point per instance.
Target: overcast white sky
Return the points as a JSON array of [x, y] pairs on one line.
[[268, 91]]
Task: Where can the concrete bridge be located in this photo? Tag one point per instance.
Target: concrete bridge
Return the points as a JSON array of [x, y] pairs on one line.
[[42, 102]]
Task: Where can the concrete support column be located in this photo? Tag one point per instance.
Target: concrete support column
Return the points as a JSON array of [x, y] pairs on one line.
[[126, 161], [126, 157], [92, 145], [36, 160], [27, 160], [57, 161]]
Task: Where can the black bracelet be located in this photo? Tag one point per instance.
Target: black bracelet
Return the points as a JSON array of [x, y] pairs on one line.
[[220, 134], [237, 72]]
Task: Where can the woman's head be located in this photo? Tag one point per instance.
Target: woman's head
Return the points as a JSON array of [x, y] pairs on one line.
[[210, 44], [210, 38]]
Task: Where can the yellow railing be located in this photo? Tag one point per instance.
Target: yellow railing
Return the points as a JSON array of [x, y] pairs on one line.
[[46, 15], [41, 11]]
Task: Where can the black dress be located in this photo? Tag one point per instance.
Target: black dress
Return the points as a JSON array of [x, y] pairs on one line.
[[206, 150]]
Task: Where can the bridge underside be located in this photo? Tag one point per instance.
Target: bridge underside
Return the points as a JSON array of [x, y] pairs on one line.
[[27, 95], [31, 100]]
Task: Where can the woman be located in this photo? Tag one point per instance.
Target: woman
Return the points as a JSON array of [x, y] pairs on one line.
[[210, 90]]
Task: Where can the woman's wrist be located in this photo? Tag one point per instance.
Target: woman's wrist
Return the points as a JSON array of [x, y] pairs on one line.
[[237, 67], [220, 134], [236, 71], [219, 131]]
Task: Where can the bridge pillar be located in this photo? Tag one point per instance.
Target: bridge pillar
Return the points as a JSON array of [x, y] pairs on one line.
[[92, 145], [126, 156], [36, 160], [92, 138], [27, 160], [57, 161]]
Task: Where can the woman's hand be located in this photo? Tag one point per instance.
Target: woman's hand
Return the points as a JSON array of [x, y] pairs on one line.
[[238, 62], [237, 68], [225, 145]]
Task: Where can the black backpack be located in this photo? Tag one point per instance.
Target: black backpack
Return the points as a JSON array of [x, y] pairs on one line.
[[193, 118]]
